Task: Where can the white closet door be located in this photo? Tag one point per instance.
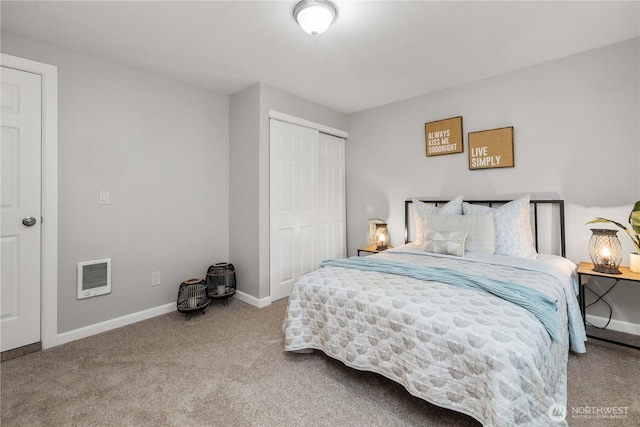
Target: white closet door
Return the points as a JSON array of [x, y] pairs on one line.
[[293, 182], [331, 210]]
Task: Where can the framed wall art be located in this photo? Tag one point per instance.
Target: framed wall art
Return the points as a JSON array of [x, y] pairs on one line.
[[490, 149], [444, 136]]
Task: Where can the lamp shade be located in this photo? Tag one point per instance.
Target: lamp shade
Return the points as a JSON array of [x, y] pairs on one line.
[[605, 251], [314, 16], [381, 237]]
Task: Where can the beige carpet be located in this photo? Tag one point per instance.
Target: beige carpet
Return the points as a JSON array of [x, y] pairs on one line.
[[228, 368]]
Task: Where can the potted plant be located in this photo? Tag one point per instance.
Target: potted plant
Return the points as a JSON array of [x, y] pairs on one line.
[[633, 232]]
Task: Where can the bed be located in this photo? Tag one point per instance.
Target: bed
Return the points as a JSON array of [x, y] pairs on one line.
[[485, 331]]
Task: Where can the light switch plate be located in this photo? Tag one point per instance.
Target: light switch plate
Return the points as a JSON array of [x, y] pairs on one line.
[[104, 198]]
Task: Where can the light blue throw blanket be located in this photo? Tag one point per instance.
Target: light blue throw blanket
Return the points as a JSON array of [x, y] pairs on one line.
[[542, 306]]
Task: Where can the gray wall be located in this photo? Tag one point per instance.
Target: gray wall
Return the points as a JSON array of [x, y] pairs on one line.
[[576, 133], [249, 172], [244, 188], [161, 148]]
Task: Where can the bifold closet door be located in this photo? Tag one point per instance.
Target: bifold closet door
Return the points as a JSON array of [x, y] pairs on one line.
[[307, 208], [293, 181], [331, 210]]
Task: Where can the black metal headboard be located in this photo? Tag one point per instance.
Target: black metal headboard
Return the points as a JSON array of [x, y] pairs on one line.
[[556, 205]]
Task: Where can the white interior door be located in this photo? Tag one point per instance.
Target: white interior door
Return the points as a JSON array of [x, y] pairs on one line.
[[293, 181], [20, 172], [331, 209]]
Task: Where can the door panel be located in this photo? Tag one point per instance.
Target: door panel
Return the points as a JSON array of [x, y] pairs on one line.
[[292, 212], [331, 212], [306, 250], [285, 256], [20, 174]]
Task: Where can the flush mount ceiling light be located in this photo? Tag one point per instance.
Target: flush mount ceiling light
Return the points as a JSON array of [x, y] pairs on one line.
[[315, 16]]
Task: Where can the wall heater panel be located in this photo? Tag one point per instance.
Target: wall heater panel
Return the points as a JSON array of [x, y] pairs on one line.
[[94, 278]]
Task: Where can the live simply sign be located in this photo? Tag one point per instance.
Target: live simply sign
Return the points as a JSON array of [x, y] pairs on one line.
[[491, 149]]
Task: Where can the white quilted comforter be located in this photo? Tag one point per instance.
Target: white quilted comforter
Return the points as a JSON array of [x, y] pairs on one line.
[[461, 349]]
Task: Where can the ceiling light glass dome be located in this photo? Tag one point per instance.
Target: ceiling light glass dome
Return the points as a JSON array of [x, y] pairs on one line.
[[315, 16]]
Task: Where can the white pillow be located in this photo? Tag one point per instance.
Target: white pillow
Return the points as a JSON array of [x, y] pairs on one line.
[[445, 242], [513, 227], [480, 230], [420, 210]]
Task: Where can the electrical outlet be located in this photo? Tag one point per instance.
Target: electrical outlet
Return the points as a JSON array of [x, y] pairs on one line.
[[155, 278]]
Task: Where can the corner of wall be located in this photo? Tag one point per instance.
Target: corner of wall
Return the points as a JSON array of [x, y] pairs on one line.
[[244, 140]]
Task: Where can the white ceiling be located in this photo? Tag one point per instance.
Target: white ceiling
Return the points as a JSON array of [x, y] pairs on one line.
[[375, 53]]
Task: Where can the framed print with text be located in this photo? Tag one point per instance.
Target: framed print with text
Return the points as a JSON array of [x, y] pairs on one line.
[[444, 136], [490, 149]]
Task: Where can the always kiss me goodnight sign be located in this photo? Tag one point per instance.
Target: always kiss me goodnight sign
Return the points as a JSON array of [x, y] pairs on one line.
[[444, 136]]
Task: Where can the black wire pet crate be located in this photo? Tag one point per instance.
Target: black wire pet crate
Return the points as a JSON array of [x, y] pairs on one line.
[[192, 297], [221, 281]]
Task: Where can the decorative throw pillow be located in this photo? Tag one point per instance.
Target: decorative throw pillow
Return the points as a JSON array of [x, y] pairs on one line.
[[480, 230], [420, 210], [445, 242], [513, 226]]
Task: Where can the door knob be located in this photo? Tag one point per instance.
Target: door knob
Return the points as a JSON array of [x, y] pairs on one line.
[[29, 221]]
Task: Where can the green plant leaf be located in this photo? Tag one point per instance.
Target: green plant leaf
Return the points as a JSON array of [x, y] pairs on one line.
[[600, 220], [634, 218]]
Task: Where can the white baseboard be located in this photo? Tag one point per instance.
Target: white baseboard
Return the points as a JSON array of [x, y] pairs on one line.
[[128, 319], [615, 325], [249, 299], [118, 322]]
